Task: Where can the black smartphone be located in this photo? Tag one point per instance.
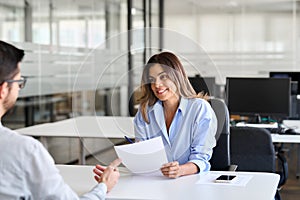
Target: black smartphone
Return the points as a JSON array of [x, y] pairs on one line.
[[225, 178]]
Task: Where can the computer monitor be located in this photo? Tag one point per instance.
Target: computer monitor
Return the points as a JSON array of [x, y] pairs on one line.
[[295, 76], [206, 84], [265, 97]]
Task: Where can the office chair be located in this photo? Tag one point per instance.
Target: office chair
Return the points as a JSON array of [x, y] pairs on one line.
[[252, 149], [220, 160]]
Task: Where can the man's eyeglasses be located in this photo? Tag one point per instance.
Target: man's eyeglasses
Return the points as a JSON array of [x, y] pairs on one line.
[[21, 82]]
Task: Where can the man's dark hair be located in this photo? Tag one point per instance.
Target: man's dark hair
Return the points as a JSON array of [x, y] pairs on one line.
[[10, 56]]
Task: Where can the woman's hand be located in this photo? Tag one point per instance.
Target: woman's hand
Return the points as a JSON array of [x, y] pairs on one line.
[[108, 175], [174, 170], [171, 169]]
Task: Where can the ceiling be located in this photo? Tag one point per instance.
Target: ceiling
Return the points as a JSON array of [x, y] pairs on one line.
[[213, 6], [171, 6]]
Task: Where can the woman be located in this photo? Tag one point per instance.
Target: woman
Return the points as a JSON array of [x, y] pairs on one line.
[[170, 108]]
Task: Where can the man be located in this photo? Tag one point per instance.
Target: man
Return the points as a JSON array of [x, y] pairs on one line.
[[27, 171]]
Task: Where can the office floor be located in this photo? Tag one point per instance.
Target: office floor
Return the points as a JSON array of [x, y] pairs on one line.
[[290, 191]]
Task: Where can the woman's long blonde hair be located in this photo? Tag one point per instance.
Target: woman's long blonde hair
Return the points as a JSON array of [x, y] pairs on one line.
[[173, 67]]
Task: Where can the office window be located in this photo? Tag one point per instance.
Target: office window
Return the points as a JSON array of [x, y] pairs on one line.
[[40, 33], [11, 23], [96, 33], [243, 38], [72, 33]]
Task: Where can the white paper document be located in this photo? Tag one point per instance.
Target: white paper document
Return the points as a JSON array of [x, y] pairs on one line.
[[143, 157]]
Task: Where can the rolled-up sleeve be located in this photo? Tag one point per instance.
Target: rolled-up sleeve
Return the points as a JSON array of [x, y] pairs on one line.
[[203, 139]]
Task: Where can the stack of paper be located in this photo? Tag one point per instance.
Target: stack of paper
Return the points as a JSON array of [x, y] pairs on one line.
[[143, 157]]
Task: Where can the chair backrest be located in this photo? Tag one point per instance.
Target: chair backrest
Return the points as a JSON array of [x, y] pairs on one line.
[[221, 153], [252, 149], [222, 114]]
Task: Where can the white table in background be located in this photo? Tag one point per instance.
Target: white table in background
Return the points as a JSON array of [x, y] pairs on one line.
[[83, 127], [261, 186], [292, 139], [282, 138]]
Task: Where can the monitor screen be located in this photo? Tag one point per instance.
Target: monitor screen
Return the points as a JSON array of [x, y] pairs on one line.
[[206, 84], [295, 76], [258, 96]]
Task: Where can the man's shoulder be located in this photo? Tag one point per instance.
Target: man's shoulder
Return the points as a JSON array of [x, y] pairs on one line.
[[15, 139], [17, 150]]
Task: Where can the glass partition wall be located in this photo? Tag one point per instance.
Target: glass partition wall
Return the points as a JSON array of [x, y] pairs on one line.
[[85, 57], [75, 52], [12, 23], [69, 44]]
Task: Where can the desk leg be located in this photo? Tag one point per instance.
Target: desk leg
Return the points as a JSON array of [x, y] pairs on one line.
[[29, 114], [51, 110], [43, 140], [81, 152], [298, 161]]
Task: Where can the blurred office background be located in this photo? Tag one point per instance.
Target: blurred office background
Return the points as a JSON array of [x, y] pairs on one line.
[[236, 38], [84, 57]]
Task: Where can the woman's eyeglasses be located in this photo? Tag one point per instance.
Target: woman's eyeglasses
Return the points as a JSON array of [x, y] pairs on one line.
[[21, 82]]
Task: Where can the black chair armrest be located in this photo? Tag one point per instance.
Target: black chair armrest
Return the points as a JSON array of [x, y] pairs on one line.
[[284, 169], [232, 168]]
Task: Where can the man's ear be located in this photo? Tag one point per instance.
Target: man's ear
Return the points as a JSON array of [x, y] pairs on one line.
[[3, 90]]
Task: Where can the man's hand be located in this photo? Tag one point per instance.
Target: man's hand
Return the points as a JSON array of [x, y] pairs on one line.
[[108, 175]]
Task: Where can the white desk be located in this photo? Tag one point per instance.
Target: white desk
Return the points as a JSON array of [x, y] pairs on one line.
[[293, 124], [83, 127], [261, 186], [277, 138]]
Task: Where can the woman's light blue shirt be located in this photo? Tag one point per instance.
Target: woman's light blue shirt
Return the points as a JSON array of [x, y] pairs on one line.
[[191, 135]]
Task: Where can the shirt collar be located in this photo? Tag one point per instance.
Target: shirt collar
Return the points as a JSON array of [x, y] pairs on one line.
[[182, 105], [157, 104]]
